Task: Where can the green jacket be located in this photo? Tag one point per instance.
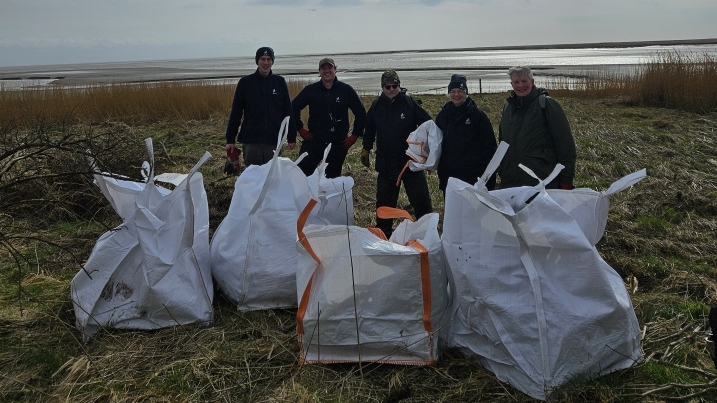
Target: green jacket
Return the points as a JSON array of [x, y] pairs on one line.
[[539, 138]]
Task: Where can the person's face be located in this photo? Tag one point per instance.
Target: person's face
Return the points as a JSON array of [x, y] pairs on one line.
[[391, 90], [457, 96], [327, 73], [522, 85], [264, 65]]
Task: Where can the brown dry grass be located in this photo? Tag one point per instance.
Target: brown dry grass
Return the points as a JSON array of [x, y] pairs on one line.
[[667, 80], [662, 232]]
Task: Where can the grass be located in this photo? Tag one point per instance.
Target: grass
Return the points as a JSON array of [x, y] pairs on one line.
[[661, 232], [668, 80]]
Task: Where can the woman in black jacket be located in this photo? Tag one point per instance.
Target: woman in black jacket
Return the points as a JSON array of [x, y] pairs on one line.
[[468, 137]]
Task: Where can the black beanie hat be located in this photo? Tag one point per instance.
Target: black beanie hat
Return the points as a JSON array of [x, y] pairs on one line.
[[458, 81], [264, 51]]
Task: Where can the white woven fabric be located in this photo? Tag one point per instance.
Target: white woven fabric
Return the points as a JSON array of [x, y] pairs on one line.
[[533, 299], [152, 271], [363, 298]]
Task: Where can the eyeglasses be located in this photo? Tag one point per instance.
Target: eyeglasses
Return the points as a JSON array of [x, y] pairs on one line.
[[390, 86]]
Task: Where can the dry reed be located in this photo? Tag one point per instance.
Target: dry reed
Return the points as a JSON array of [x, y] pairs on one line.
[[668, 80]]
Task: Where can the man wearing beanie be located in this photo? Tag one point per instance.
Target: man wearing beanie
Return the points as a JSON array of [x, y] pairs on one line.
[[391, 118], [261, 102], [538, 132], [329, 101], [468, 137]]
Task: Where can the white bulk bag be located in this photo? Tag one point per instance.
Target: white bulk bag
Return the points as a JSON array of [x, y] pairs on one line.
[[424, 147], [533, 299], [253, 251], [335, 196], [363, 298], [152, 271]]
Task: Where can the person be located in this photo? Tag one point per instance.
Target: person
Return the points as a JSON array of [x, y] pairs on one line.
[[538, 132], [329, 101], [468, 137], [390, 119], [261, 102]]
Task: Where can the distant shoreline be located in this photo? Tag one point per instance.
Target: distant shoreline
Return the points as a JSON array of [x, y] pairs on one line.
[[630, 44]]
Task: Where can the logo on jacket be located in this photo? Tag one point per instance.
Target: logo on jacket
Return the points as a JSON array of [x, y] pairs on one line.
[[273, 92], [468, 121], [403, 116], [338, 100]]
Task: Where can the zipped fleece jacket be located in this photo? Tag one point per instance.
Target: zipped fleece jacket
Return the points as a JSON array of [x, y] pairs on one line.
[[468, 143], [263, 102], [538, 139], [389, 122], [329, 111]]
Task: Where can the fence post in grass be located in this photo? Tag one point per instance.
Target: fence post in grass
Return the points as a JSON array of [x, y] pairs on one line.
[[480, 86]]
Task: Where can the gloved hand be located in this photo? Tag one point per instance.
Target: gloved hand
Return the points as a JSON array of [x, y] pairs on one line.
[[350, 140], [233, 164], [365, 161], [566, 186], [305, 134]]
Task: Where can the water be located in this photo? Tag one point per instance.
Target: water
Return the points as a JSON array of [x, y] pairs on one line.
[[420, 71]]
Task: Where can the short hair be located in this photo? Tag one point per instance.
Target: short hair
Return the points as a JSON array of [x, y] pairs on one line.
[[521, 70]]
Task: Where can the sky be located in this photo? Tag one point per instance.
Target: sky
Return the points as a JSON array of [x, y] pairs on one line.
[[42, 32]]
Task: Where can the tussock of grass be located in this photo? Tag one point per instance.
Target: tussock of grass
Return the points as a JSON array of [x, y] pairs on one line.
[[662, 232]]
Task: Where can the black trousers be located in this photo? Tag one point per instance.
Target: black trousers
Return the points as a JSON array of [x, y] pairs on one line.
[[335, 159], [258, 153], [387, 192]]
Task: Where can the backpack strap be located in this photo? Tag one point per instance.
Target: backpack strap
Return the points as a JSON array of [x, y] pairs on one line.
[[541, 102]]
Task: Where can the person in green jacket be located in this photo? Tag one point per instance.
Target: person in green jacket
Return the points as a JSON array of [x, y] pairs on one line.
[[538, 132]]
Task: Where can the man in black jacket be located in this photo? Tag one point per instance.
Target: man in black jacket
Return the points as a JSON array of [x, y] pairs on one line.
[[262, 100], [391, 118], [468, 137], [329, 101]]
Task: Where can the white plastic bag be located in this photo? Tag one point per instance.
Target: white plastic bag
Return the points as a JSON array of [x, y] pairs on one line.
[[363, 298], [253, 250], [424, 147], [533, 299], [152, 271]]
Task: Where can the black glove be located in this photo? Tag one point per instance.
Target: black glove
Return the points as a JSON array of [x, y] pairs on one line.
[[365, 161]]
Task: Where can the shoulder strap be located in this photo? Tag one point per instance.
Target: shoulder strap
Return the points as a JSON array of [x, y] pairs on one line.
[[541, 102]]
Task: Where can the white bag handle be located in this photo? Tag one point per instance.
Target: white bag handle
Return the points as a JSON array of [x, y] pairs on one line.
[[626, 182], [543, 182], [283, 133], [494, 163], [150, 153]]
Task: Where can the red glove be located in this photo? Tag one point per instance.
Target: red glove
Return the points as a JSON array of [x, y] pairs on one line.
[[350, 140], [305, 134], [565, 186], [233, 164]]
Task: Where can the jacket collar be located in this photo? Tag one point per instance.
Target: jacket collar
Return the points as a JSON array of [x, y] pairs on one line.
[[388, 101], [519, 102], [256, 73], [457, 111]]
